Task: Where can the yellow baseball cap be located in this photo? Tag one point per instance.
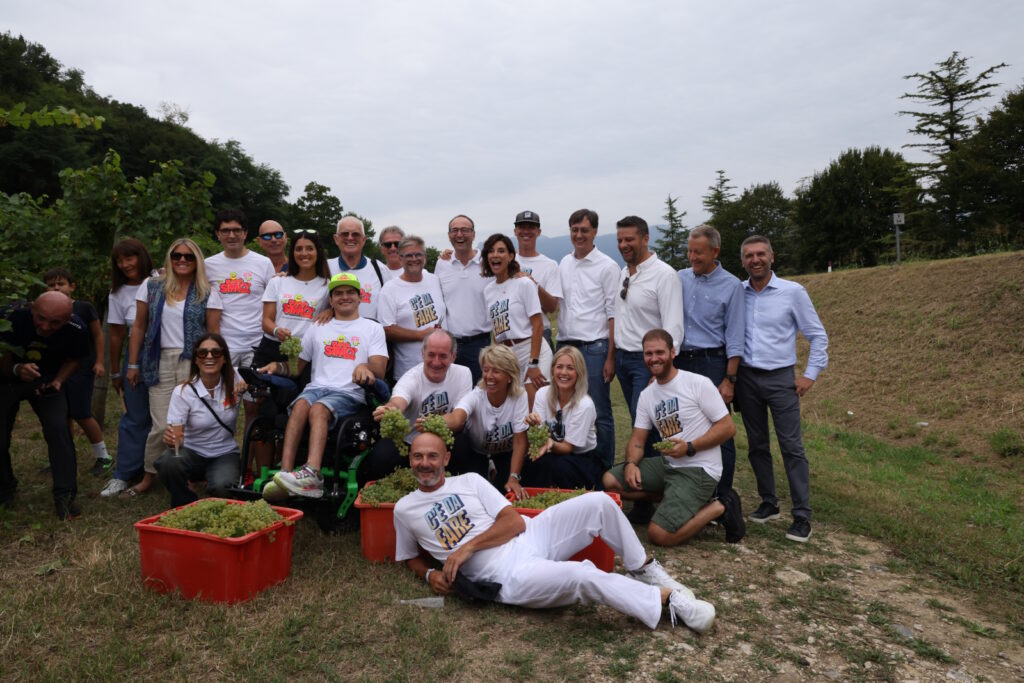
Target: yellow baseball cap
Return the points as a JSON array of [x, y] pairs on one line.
[[343, 279]]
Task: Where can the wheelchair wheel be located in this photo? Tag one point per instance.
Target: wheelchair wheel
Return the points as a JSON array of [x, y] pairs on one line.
[[260, 430]]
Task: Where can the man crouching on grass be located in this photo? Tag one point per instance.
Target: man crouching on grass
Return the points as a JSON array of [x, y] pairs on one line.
[[464, 523]]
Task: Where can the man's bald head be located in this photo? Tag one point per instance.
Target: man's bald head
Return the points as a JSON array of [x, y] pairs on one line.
[[270, 226], [50, 312]]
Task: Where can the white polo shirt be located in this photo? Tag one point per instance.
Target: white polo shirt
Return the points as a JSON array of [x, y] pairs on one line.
[[463, 290], [237, 286], [653, 300], [589, 288], [684, 408], [424, 397], [544, 272], [579, 420], [203, 434]]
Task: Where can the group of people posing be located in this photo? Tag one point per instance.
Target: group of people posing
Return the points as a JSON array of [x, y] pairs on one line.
[[471, 342]]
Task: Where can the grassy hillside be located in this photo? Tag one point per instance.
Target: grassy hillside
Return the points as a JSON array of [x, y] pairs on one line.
[[938, 342]]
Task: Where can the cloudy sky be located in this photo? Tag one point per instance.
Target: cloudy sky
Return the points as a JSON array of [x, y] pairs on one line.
[[415, 111]]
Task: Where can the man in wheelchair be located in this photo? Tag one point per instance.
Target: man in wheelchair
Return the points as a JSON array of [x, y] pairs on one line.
[[345, 353]]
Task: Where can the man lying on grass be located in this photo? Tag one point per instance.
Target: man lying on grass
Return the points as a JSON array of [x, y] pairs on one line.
[[464, 523]]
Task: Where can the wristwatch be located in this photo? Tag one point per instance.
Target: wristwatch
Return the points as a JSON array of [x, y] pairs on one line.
[[534, 363], [732, 378], [690, 450]]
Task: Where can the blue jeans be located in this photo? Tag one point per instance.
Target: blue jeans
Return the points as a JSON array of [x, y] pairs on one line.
[[714, 369], [132, 430], [633, 378], [594, 355], [341, 405], [468, 353], [176, 471]]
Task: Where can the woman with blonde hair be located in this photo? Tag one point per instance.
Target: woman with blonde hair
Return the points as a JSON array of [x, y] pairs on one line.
[[494, 415], [569, 459], [170, 316]]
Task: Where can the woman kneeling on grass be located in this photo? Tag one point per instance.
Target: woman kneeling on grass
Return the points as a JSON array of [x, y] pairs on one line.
[[201, 424], [569, 459]]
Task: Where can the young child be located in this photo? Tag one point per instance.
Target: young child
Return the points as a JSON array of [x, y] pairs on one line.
[[79, 385]]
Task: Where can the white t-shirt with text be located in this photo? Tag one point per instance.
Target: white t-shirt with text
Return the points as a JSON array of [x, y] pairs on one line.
[[431, 398], [336, 348], [414, 306], [237, 286], [298, 303], [510, 305], [491, 428]]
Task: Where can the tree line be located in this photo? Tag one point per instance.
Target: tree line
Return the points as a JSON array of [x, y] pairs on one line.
[[966, 198]]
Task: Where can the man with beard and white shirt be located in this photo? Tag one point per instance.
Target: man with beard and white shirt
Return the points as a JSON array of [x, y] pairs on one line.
[[538, 267], [434, 387], [237, 278], [350, 238], [586, 319], [462, 284], [650, 298], [688, 413], [776, 310], [466, 526]]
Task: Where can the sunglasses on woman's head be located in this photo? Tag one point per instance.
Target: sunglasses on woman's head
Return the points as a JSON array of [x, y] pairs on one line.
[[214, 353], [179, 256]]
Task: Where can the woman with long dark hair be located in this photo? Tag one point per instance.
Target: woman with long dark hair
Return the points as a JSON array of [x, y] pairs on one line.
[[130, 264], [201, 421]]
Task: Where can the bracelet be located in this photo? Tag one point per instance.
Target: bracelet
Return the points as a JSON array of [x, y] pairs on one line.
[[426, 577], [274, 333], [133, 366], [516, 476], [15, 368], [115, 375]]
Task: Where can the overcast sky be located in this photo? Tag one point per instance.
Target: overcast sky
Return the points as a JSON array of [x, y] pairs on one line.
[[412, 112]]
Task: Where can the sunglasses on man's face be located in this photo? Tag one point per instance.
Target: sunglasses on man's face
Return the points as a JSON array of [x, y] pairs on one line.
[[267, 236], [179, 256], [213, 353], [390, 245]]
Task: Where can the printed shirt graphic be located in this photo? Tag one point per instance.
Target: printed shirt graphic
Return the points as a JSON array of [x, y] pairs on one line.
[[491, 428], [335, 349], [684, 408], [237, 287], [509, 307], [298, 302], [424, 397], [414, 306], [463, 508]]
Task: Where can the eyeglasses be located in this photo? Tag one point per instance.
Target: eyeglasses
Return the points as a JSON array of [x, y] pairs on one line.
[[625, 288], [464, 231], [186, 256], [231, 231], [213, 353], [390, 245], [350, 235], [413, 255], [267, 236]]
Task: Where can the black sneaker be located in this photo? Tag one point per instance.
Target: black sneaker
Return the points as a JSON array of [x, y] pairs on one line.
[[732, 518], [641, 513], [101, 467], [67, 508], [763, 513], [799, 531]]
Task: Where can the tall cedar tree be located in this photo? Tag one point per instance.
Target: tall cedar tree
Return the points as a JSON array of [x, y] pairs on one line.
[[671, 246]]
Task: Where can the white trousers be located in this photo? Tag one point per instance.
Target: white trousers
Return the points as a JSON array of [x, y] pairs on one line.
[[535, 571], [173, 372], [522, 351]]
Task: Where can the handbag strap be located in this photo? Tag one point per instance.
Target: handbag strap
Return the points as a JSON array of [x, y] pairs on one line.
[[207, 405]]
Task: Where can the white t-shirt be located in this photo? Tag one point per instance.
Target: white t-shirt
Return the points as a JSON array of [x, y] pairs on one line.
[[413, 305], [172, 318], [491, 428], [298, 302], [121, 306], [545, 272], [431, 398], [463, 289], [237, 286], [335, 349], [684, 408], [396, 272], [369, 284], [578, 420], [510, 306], [203, 434], [460, 510]]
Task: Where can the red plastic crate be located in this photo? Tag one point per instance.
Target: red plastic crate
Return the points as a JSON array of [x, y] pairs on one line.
[[376, 529], [597, 552], [215, 569]]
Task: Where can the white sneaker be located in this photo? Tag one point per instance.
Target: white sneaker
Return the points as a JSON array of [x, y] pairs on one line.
[[114, 487], [302, 482], [654, 574], [697, 614], [272, 493]]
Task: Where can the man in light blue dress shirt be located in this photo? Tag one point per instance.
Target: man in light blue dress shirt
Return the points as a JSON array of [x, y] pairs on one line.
[[714, 324], [775, 310]]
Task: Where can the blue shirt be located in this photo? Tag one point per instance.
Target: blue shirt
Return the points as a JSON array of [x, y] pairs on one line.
[[774, 315], [713, 310]]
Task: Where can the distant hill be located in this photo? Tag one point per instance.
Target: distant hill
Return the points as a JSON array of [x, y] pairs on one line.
[[557, 247]]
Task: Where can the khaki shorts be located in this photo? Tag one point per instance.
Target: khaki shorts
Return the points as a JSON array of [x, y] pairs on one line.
[[686, 490]]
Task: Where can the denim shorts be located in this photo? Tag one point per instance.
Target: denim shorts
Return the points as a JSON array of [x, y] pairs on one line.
[[341, 405]]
